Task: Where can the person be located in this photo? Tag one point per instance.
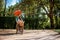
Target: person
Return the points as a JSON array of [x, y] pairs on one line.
[[19, 21], [19, 25]]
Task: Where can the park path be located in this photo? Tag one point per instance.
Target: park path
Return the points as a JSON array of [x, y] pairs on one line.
[[10, 34]]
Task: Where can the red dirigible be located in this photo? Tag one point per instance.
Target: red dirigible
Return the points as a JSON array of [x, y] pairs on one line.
[[17, 12]]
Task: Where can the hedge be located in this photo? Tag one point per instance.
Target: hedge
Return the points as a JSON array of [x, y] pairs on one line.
[[7, 22]]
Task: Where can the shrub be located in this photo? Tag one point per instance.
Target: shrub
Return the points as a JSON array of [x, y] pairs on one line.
[[7, 22]]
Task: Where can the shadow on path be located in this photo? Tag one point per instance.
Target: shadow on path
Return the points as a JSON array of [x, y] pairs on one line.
[[7, 34], [37, 38]]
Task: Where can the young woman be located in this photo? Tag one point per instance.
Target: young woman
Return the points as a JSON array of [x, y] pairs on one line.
[[19, 25]]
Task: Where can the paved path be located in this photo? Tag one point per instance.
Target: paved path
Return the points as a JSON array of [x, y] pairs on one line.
[[29, 35]]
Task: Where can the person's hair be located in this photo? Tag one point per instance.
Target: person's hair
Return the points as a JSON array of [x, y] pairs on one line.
[[19, 17]]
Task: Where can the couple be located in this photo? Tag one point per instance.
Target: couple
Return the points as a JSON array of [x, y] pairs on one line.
[[19, 25]]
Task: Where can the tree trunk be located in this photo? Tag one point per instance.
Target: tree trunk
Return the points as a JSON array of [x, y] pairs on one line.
[[4, 8], [51, 14]]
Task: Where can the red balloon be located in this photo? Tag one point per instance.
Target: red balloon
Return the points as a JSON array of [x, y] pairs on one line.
[[17, 12]]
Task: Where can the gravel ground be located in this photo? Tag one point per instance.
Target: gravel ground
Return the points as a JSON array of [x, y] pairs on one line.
[[9, 34]]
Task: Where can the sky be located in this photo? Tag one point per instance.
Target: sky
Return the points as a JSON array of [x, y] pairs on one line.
[[11, 2]]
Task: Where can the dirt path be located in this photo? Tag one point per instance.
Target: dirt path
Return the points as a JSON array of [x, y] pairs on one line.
[[29, 35]]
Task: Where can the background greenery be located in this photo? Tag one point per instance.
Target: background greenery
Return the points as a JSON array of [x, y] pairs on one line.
[[37, 14]]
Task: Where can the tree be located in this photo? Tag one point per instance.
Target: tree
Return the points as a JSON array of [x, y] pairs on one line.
[[51, 13], [32, 9], [4, 12], [1, 7]]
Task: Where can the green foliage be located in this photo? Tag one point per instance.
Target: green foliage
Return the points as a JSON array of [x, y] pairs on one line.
[[1, 7], [32, 9], [37, 22]]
